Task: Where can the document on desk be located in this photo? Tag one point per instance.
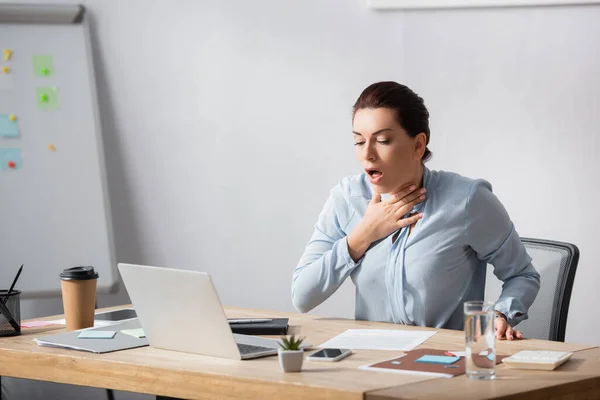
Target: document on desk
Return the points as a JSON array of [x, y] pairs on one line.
[[378, 339]]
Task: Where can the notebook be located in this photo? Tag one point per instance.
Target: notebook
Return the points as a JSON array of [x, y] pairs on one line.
[[279, 326], [120, 341], [407, 364]]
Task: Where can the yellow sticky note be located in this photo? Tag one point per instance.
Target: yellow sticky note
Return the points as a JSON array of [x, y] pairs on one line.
[[6, 70], [7, 54]]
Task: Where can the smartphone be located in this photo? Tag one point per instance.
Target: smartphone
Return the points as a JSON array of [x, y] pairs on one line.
[[329, 354]]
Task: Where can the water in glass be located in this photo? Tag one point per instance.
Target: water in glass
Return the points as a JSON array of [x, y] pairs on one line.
[[480, 340]]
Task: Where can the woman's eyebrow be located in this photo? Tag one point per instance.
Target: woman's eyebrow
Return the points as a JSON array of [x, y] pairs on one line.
[[376, 133]]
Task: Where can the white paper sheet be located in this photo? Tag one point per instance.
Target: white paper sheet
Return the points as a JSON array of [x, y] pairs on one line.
[[378, 339]]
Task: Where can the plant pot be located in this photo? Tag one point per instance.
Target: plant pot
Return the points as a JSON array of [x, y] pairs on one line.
[[291, 360]]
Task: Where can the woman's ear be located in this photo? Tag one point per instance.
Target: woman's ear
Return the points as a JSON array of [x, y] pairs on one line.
[[420, 142]]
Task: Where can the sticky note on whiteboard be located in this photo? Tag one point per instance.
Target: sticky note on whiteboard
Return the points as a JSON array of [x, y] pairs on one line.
[[47, 98], [10, 159], [43, 65], [8, 126]]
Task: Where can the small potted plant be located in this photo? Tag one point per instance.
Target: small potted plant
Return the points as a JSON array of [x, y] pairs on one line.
[[291, 355]]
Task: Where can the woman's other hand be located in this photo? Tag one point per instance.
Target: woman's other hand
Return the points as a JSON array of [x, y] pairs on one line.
[[504, 330]]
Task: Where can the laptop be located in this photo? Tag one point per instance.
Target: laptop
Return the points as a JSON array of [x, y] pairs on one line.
[[180, 310]]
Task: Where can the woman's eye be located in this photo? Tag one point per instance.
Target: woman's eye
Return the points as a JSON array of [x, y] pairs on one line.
[[383, 141], [359, 143]]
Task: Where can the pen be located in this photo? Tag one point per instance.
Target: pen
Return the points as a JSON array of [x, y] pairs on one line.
[[13, 284], [249, 320]]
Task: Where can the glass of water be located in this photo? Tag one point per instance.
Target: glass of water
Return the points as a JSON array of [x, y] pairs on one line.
[[480, 340]]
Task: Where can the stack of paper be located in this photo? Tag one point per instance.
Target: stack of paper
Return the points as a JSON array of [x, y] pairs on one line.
[[378, 339]]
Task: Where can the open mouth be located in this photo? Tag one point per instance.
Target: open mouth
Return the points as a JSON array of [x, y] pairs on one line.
[[373, 173]]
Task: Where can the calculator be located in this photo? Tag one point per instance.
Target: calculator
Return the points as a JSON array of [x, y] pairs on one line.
[[537, 359]]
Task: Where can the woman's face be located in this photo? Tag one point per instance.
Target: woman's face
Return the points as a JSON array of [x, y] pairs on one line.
[[390, 157]]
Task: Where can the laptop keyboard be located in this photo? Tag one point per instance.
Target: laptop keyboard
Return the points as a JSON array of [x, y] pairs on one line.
[[250, 349]]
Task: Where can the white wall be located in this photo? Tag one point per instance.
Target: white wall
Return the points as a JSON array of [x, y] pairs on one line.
[[226, 124], [231, 126], [515, 98]]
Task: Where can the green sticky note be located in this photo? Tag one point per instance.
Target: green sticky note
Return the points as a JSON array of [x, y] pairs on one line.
[[42, 65], [97, 334], [138, 333], [47, 98], [10, 159], [8, 126]]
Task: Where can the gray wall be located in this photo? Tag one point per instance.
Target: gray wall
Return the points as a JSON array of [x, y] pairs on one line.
[[226, 124]]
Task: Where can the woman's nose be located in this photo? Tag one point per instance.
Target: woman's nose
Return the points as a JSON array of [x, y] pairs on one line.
[[369, 154]]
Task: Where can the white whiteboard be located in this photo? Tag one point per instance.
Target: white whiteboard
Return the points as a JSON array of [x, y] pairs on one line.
[[424, 4], [54, 209]]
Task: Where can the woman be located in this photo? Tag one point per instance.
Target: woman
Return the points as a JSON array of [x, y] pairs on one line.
[[415, 242]]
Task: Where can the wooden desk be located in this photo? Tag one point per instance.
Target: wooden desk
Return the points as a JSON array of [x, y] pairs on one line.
[[578, 378], [167, 373]]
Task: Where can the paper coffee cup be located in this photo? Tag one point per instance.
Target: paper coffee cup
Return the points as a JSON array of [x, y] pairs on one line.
[[78, 286]]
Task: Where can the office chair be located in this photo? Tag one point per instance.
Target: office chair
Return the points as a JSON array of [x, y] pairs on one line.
[[556, 262]]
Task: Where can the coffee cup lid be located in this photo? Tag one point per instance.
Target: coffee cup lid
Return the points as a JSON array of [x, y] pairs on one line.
[[78, 274]]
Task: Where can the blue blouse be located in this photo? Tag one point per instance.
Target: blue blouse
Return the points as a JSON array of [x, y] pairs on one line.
[[424, 276]]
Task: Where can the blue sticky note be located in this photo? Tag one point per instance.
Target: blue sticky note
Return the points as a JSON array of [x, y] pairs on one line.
[[10, 159], [8, 127], [97, 334], [437, 359]]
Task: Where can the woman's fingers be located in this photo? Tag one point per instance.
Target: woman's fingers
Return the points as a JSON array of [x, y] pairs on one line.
[[404, 209], [402, 193], [509, 332], [409, 220], [417, 194], [518, 334]]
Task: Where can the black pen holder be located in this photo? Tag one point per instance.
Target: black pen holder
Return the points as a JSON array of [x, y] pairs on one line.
[[13, 305]]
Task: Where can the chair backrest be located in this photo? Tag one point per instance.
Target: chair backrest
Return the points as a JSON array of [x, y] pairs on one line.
[[556, 263]]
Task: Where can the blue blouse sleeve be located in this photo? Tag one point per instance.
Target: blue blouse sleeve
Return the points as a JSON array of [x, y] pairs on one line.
[[326, 262], [492, 235]]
